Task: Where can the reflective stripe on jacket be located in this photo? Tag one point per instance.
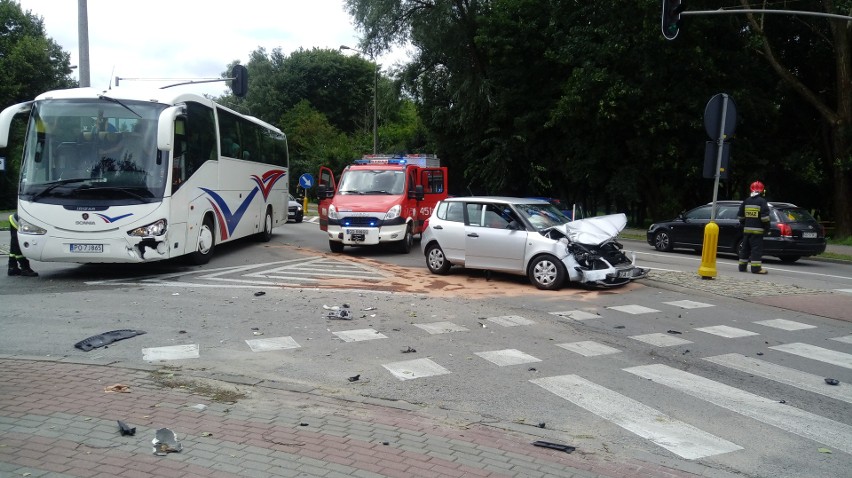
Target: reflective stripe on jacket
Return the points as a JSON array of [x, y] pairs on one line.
[[754, 215]]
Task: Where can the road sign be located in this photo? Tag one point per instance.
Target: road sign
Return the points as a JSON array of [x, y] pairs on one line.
[[714, 123], [306, 181]]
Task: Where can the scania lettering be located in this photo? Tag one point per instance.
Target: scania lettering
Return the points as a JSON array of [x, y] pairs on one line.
[[380, 199], [129, 175]]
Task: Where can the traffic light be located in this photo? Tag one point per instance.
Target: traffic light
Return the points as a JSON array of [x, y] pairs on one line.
[[671, 21]]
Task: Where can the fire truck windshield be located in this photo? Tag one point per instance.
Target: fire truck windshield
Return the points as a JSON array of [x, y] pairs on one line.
[[376, 181]]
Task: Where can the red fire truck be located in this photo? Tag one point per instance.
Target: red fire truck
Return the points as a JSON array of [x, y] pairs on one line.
[[380, 199]]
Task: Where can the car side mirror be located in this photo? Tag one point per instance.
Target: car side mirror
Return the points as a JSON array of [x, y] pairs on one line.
[[323, 192], [417, 193]]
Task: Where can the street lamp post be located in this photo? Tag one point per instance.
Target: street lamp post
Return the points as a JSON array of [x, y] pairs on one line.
[[375, 94]]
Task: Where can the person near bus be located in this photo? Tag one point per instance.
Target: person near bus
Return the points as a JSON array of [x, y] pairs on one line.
[[754, 217], [18, 264]]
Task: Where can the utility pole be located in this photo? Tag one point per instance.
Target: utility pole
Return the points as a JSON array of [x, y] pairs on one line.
[[83, 41]]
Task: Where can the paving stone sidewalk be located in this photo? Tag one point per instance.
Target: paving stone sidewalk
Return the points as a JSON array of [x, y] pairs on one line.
[[58, 420]]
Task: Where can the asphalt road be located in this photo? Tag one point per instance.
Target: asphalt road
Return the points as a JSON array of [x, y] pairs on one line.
[[716, 376]]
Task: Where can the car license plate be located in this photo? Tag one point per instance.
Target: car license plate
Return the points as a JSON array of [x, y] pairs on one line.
[[809, 235], [625, 274], [87, 248]]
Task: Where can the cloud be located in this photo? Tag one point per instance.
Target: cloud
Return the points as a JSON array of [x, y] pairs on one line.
[[192, 39]]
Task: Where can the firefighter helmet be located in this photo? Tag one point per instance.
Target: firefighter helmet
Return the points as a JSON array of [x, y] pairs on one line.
[[757, 187]]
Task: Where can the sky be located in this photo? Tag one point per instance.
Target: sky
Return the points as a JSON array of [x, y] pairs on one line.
[[192, 39]]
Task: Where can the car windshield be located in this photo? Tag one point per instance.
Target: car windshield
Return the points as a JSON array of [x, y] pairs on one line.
[[794, 214], [542, 216], [372, 182]]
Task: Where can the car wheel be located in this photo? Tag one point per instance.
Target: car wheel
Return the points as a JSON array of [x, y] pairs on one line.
[[335, 246], [299, 217], [436, 261], [789, 259], [404, 246], [266, 234], [204, 243], [546, 272], [663, 241]]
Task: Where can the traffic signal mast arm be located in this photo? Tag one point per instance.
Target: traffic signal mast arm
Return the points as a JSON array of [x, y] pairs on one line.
[[674, 9]]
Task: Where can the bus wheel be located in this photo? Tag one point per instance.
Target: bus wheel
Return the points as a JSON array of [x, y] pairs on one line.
[[335, 246], [266, 234], [205, 243]]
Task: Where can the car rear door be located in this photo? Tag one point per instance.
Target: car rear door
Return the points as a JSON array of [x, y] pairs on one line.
[[447, 227], [489, 244]]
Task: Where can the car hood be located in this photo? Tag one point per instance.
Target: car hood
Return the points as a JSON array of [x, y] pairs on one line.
[[594, 230]]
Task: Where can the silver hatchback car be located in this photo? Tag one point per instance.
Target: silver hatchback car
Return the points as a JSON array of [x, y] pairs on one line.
[[527, 237]]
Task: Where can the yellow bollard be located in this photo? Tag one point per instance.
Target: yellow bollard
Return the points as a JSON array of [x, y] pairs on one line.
[[305, 205], [708, 252]]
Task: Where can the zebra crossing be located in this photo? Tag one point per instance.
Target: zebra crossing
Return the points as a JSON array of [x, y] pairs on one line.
[[623, 408]]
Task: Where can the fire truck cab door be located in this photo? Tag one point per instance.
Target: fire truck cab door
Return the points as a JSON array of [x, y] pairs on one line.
[[325, 178]]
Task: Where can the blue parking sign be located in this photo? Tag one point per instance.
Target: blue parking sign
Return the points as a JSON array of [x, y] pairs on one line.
[[306, 181]]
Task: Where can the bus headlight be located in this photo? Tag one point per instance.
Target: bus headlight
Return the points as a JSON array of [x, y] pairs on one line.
[[332, 212], [157, 228], [393, 213], [25, 227]]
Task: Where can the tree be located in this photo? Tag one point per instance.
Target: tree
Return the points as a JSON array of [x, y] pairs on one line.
[[781, 41], [31, 63]]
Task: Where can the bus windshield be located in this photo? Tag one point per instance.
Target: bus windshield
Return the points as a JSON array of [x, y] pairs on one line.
[[97, 150]]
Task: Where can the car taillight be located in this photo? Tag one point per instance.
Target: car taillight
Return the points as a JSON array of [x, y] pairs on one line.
[[426, 224], [786, 230]]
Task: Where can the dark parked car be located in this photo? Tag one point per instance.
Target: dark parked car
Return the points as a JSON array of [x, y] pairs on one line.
[[793, 233], [294, 210]]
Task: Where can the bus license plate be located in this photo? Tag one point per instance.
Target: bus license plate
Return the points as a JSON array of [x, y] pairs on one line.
[[809, 235], [87, 248]]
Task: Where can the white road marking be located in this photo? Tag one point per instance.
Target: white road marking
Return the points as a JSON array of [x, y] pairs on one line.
[[171, 352], [734, 264], [726, 331], [678, 437], [801, 380], [359, 335], [816, 353], [577, 314], [661, 340], [272, 343], [589, 348], [848, 291], [771, 412], [688, 304], [846, 339], [411, 369], [510, 320], [507, 357], [441, 327], [633, 309], [785, 324]]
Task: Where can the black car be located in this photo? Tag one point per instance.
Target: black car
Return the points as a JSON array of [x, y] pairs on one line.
[[793, 233]]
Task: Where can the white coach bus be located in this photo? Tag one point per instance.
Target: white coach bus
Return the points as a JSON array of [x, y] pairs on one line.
[[129, 175]]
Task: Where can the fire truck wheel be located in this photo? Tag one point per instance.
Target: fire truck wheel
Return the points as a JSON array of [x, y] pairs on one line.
[[335, 246], [404, 246], [436, 261], [546, 272]]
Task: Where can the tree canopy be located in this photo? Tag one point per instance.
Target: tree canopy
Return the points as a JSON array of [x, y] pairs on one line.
[[31, 63], [587, 102]]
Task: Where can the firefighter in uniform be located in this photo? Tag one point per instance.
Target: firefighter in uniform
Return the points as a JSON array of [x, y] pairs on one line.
[[18, 264], [754, 217]]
